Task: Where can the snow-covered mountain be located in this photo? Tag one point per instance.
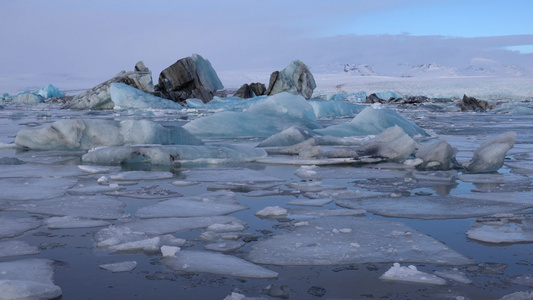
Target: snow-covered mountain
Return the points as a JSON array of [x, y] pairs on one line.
[[488, 67]]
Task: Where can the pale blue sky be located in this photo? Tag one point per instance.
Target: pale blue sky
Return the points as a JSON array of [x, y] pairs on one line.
[[105, 37]]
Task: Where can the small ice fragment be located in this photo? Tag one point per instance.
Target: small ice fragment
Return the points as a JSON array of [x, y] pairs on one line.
[[411, 274], [302, 223], [345, 230], [271, 211], [103, 180], [124, 266], [184, 183], [169, 251]]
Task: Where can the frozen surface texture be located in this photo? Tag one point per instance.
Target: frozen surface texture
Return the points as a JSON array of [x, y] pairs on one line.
[[329, 241], [28, 279], [11, 227], [85, 134]]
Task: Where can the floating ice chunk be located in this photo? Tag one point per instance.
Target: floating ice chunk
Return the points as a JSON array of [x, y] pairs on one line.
[[50, 91], [507, 232], [85, 134], [334, 109], [34, 188], [310, 202], [98, 169], [169, 251], [262, 119], [16, 248], [430, 207], [128, 97], [523, 198], [490, 155], [357, 173], [225, 246], [184, 155], [523, 280], [141, 175], [387, 95], [518, 296], [454, 274], [326, 212], [438, 176], [28, 98], [379, 241], [228, 175], [289, 136], [271, 212], [437, 156], [373, 121], [124, 266], [213, 204], [234, 226], [216, 263], [73, 222], [94, 207], [28, 279], [305, 171], [11, 227], [125, 239], [411, 274], [170, 225], [393, 144]]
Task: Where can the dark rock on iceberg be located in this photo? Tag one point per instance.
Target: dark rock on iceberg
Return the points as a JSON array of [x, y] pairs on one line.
[[250, 90], [296, 79], [471, 103], [189, 77], [99, 97]]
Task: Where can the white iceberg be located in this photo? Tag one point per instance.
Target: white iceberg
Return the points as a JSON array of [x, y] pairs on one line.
[[334, 109], [85, 134], [393, 144], [50, 91], [411, 274], [489, 157], [216, 263]]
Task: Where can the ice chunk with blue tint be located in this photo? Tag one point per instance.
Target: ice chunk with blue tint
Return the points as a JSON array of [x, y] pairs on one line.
[[387, 95], [489, 157], [28, 98], [184, 155], [369, 241], [411, 274], [373, 121], [50, 91], [11, 227], [84, 134], [228, 175], [454, 274], [262, 119], [28, 279], [16, 248], [393, 144], [216, 263], [359, 97], [334, 109], [128, 97], [289, 136]]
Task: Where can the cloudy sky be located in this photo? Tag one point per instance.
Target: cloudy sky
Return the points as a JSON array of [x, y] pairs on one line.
[[103, 37]]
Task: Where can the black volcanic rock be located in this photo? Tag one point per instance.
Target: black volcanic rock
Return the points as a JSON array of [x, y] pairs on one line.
[[471, 103]]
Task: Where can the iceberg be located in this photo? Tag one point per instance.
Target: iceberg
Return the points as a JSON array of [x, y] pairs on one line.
[[50, 91], [181, 155], [262, 119], [289, 136], [393, 144], [28, 279], [216, 263], [28, 98], [490, 155], [85, 134], [372, 121], [334, 109], [437, 156], [323, 242], [296, 79], [128, 97]]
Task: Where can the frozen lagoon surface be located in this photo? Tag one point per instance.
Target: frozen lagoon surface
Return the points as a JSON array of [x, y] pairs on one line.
[[350, 228]]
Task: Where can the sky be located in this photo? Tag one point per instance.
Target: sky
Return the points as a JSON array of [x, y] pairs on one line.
[[100, 38]]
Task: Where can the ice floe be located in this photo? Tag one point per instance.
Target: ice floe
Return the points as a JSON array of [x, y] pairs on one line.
[[28, 279], [35, 188], [73, 222], [411, 274], [454, 274], [124, 266], [209, 262], [225, 246], [502, 230], [16, 248], [11, 226], [368, 241]]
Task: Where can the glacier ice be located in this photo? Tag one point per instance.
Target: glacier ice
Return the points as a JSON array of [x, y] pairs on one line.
[[411, 274], [393, 144], [489, 157], [85, 134], [123, 266], [209, 262], [372, 121], [262, 119], [184, 155], [287, 137], [128, 97], [11, 227], [296, 79], [28, 98], [16, 248], [28, 279], [437, 156], [370, 240], [50, 91], [334, 109]]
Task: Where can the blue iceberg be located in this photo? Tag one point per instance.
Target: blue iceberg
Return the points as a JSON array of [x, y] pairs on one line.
[[128, 97]]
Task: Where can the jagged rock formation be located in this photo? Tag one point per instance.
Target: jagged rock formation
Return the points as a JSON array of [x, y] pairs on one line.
[[296, 79], [189, 77], [471, 103], [250, 90], [99, 97]]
